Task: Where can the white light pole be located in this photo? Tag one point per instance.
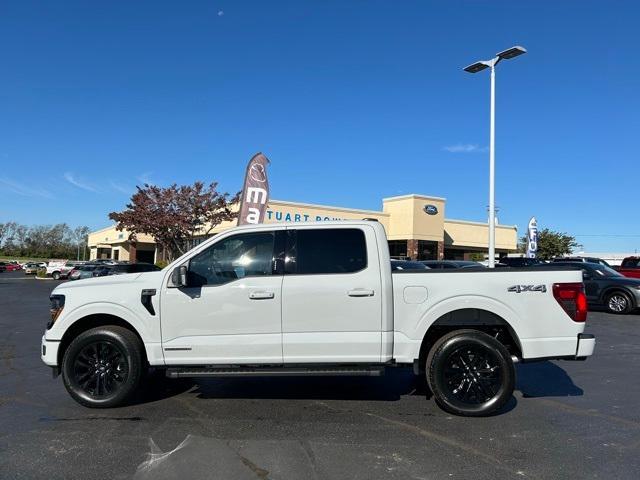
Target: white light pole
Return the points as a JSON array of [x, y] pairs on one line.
[[475, 68]]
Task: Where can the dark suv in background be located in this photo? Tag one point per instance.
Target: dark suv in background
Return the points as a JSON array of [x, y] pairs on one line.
[[519, 261], [581, 259], [605, 287], [450, 264]]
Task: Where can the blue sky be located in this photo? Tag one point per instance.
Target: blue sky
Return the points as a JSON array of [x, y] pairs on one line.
[[351, 100]]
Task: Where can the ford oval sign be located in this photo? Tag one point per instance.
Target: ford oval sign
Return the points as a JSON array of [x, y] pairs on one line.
[[430, 209]]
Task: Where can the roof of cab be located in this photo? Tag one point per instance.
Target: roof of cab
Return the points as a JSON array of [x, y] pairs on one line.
[[326, 223]]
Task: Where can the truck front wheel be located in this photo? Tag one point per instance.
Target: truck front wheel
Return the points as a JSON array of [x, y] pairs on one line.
[[470, 373], [102, 366]]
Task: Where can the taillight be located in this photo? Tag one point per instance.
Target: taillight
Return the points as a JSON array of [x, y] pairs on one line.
[[572, 299]]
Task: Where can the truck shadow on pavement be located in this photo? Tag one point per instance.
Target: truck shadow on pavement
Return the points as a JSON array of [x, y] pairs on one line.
[[394, 384], [545, 379], [539, 379]]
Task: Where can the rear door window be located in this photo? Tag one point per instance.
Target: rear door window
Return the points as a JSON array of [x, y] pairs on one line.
[[327, 251]]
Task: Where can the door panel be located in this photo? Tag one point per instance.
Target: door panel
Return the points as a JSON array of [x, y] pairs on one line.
[[223, 324], [331, 317], [230, 312]]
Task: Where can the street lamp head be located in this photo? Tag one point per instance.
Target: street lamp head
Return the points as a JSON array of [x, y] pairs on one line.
[[511, 52], [476, 67]]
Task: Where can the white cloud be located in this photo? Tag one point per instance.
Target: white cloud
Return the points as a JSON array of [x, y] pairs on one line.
[[23, 190], [464, 148], [77, 182], [220, 13]]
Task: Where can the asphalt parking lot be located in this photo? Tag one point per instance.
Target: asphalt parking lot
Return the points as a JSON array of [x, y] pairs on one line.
[[566, 420]]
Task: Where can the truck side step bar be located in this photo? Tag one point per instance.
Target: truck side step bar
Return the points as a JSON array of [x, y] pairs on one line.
[[276, 371]]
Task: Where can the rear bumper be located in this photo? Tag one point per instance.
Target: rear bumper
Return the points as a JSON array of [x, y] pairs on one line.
[[586, 346]]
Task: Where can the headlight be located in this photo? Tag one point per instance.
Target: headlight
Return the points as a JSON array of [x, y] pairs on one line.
[[55, 308]]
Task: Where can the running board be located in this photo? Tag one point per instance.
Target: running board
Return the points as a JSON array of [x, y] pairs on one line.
[[182, 372]]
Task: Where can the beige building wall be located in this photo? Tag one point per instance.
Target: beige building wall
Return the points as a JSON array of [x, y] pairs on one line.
[[404, 218], [460, 233], [408, 220]]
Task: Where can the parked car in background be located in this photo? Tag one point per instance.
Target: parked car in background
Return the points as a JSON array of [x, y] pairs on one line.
[[59, 270], [403, 265], [606, 287], [31, 268], [519, 262], [82, 271], [11, 266], [3, 268], [450, 264], [630, 267], [105, 261], [582, 259], [139, 267]]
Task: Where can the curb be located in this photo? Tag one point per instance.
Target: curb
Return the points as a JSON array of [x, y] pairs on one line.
[[45, 278]]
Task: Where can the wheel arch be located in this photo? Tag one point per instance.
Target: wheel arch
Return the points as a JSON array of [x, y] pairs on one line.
[[616, 288], [470, 318], [92, 321]]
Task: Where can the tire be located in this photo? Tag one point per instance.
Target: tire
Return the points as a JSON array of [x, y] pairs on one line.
[[55, 275], [618, 303], [470, 373], [103, 366]]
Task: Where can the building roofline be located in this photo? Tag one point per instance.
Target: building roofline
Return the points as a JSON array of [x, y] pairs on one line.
[[103, 229], [327, 207], [481, 224], [412, 195]]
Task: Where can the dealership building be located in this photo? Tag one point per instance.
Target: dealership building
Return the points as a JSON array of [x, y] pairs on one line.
[[416, 228]]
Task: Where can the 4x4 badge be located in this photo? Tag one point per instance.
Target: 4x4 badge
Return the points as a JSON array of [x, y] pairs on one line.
[[527, 288]]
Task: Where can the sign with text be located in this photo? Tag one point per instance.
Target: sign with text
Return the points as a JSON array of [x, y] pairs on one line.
[[532, 238], [255, 192]]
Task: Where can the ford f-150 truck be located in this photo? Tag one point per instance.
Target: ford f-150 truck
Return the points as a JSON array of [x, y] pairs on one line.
[[313, 299]]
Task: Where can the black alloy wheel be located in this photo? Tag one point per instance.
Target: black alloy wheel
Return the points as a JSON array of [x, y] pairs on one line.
[[470, 373], [102, 367]]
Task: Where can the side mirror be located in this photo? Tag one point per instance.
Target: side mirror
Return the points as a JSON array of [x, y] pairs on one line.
[[179, 276]]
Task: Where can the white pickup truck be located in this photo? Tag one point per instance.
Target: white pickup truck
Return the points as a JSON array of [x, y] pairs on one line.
[[313, 299]]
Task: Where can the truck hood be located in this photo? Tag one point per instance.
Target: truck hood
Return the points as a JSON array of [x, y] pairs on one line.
[[99, 282]]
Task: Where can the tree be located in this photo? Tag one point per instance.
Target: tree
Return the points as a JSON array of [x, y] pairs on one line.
[[81, 237], [43, 241], [175, 214], [551, 244]]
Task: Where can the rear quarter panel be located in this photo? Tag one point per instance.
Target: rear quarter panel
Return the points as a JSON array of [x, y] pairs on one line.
[[542, 327]]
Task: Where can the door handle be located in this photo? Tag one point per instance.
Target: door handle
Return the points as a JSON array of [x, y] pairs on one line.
[[360, 292], [261, 295]]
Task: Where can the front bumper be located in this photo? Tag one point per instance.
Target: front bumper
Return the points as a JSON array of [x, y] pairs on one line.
[[49, 351]]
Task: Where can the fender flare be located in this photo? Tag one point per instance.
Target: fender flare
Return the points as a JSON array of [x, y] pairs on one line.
[[111, 309], [463, 302]]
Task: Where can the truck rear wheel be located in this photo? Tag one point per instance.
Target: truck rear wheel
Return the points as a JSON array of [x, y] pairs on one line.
[[470, 373], [103, 366]]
